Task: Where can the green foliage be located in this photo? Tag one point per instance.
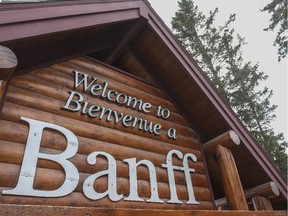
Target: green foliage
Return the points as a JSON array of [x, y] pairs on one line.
[[278, 10], [217, 50]]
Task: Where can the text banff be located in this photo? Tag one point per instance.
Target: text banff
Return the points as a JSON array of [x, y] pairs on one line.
[[26, 179]]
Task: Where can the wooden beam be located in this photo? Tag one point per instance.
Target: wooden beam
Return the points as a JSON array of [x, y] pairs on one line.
[[50, 20], [267, 190], [228, 139], [45, 54], [8, 64], [261, 203], [231, 181], [126, 39], [27, 210]]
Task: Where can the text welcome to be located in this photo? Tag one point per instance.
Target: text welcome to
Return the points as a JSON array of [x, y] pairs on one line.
[[76, 103]]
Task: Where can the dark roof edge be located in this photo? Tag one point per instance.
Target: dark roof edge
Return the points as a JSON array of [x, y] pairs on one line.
[[55, 3], [11, 20]]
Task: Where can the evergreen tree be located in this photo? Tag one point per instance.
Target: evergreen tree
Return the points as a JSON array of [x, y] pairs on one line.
[[217, 50], [278, 10]]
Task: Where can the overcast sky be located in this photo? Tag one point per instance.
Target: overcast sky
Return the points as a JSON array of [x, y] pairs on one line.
[[249, 23]]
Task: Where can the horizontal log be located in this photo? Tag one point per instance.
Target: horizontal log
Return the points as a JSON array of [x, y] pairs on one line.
[[56, 141], [64, 83], [11, 152], [77, 199], [267, 190], [43, 210], [48, 179], [8, 62], [12, 112], [228, 139], [53, 92]]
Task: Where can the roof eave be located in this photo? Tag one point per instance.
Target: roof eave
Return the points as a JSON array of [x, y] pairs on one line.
[[217, 100]]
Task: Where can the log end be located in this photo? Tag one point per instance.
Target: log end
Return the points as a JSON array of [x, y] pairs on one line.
[[274, 189], [234, 137], [8, 62]]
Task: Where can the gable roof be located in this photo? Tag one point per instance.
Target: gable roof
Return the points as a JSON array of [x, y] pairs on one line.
[[130, 35]]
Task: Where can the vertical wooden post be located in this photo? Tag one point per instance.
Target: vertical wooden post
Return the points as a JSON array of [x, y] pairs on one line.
[[261, 203], [231, 181], [8, 63]]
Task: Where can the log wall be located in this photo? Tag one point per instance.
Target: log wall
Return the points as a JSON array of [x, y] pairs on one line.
[[40, 95]]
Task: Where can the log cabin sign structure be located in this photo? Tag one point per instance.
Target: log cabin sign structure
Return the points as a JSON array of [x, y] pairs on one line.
[[103, 112]]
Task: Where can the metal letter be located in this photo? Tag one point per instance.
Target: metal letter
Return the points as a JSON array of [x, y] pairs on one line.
[[93, 109], [24, 186], [171, 133], [146, 107], [156, 129], [94, 88], [187, 171], [133, 196], [70, 100], [84, 80], [109, 94], [104, 90], [171, 179], [103, 112], [133, 101], [126, 120], [124, 98], [88, 188]]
